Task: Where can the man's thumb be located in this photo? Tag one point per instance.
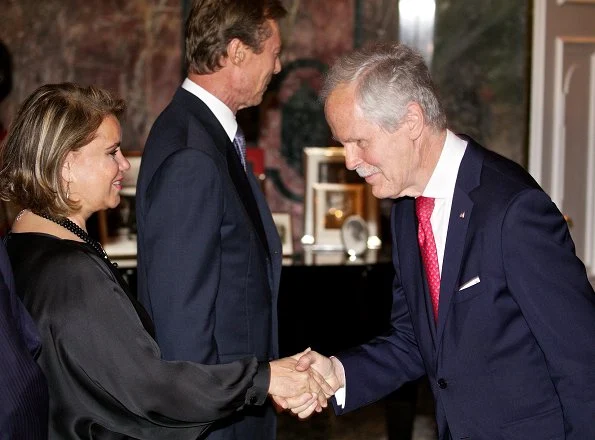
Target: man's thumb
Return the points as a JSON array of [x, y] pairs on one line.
[[304, 362]]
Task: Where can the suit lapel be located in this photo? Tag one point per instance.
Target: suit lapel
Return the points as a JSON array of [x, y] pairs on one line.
[[240, 181], [411, 271], [202, 113], [460, 216], [453, 253]]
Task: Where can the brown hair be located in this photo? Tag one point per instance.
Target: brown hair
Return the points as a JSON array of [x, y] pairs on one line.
[[212, 24], [54, 120]]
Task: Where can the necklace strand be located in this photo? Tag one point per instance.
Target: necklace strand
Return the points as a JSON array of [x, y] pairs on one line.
[[80, 233], [19, 215]]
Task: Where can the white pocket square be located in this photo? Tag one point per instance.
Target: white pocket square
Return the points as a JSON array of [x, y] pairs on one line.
[[471, 282]]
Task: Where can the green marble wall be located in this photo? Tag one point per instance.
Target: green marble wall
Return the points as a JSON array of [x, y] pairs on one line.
[[480, 64]]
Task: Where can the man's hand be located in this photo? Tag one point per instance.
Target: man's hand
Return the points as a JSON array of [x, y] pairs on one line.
[[330, 369], [302, 406], [302, 391]]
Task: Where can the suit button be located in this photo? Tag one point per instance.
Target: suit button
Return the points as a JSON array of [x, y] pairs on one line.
[[253, 400], [442, 383]]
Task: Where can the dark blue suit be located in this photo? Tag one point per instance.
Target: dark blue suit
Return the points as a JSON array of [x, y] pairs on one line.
[[511, 357], [23, 390], [209, 256]]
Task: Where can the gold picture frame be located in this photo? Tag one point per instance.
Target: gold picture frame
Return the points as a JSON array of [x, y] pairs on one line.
[[333, 203]]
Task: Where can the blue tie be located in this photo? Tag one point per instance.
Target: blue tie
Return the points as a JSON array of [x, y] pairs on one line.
[[240, 143]]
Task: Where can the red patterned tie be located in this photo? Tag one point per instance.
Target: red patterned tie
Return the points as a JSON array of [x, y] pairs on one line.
[[427, 245]]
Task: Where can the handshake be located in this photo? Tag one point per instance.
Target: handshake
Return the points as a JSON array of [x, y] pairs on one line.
[[303, 382]]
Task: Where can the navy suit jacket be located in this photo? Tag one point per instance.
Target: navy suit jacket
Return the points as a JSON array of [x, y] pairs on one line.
[[23, 390], [209, 256], [511, 357]]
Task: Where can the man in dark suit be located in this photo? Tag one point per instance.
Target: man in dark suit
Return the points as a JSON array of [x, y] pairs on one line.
[[490, 300], [23, 390], [208, 251]]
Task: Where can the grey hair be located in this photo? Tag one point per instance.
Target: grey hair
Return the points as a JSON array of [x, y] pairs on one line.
[[387, 77]]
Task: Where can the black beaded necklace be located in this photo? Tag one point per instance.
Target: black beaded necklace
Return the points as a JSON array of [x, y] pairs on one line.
[[80, 233]]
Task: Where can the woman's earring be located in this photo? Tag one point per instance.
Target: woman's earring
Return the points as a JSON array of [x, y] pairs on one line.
[[67, 165]]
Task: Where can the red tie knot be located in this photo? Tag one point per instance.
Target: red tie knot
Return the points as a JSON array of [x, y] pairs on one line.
[[423, 208]]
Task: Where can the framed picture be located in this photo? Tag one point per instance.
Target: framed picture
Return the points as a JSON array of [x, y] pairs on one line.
[[327, 176], [283, 223], [333, 203], [354, 233]]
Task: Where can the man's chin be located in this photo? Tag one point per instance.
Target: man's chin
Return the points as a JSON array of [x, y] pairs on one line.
[[256, 101], [377, 192]]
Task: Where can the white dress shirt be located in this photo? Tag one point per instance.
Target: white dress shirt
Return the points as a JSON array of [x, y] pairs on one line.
[[441, 187], [222, 112]]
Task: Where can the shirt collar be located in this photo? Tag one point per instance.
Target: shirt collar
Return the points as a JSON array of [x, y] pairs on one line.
[[442, 182], [222, 112]]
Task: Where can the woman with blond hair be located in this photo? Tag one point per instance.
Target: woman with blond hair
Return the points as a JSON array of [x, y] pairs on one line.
[[62, 162]]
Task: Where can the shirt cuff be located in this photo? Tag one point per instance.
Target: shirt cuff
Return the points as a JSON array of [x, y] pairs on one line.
[[341, 393], [257, 393], [340, 396]]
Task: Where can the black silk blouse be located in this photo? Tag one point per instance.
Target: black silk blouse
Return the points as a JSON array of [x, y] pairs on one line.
[[104, 370]]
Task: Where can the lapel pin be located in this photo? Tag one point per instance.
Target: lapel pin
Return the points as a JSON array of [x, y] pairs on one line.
[[462, 214]]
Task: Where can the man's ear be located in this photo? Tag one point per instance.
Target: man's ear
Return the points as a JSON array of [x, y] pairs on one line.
[[415, 120], [236, 51]]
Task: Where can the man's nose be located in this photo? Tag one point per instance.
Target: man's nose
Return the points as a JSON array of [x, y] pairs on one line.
[[352, 159]]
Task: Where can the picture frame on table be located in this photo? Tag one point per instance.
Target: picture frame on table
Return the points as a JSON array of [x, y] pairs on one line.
[[354, 233], [283, 223], [326, 166], [333, 203]]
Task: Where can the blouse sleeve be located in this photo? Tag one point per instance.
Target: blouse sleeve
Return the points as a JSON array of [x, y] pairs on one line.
[[112, 363]]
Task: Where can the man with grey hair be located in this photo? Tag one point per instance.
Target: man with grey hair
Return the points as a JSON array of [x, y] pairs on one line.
[[489, 300]]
